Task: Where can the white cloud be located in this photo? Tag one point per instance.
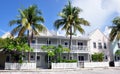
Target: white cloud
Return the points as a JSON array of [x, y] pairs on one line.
[[97, 11], [107, 31]]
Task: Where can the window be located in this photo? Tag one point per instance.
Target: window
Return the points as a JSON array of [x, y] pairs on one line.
[[118, 58], [106, 57], [105, 46], [118, 45], [48, 42], [64, 57], [80, 44], [70, 58], [81, 58], [99, 46], [31, 57], [66, 43], [33, 41], [94, 44]]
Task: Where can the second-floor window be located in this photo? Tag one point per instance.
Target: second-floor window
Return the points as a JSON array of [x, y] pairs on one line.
[[118, 45], [105, 46], [80, 44], [94, 44], [99, 45]]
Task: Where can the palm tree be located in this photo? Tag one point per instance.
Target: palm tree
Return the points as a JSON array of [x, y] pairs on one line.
[[115, 32], [29, 21], [70, 21]]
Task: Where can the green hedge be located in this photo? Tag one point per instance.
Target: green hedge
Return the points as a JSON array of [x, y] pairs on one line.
[[97, 57], [69, 61]]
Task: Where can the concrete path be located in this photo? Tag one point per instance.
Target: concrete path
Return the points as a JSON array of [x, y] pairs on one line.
[[65, 71]]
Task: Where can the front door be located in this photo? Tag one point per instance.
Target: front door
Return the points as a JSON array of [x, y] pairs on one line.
[[38, 60]]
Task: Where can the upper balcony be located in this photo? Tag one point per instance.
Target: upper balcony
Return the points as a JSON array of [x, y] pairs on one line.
[[75, 48]]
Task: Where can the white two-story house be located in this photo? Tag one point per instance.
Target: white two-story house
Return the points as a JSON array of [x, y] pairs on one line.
[[99, 43], [82, 47], [79, 51]]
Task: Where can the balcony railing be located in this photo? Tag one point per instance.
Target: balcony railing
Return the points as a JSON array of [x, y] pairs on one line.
[[75, 48]]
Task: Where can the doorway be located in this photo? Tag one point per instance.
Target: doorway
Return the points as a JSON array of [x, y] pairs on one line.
[[39, 61]]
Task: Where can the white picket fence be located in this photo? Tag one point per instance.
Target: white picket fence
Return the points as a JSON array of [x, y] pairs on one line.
[[64, 65], [95, 64], [117, 64], [20, 66]]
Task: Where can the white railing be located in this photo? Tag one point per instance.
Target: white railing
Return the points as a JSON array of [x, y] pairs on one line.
[[75, 48]]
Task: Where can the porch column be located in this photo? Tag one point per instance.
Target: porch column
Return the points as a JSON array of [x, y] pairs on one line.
[[48, 41], [76, 49], [57, 41], [36, 49], [88, 57], [60, 41]]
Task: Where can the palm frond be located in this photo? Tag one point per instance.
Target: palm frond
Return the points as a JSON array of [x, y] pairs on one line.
[[21, 32], [79, 28], [113, 34], [58, 23], [16, 30], [13, 22], [83, 22], [40, 27], [37, 19]]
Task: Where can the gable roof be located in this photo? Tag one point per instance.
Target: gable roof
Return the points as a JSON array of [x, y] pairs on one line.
[[99, 31]]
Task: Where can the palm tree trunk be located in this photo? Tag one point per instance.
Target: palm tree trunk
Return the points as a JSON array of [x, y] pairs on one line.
[[70, 41], [28, 37]]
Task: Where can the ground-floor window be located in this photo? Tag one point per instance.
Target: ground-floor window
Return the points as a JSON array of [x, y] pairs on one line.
[[64, 57], [117, 58], [81, 58]]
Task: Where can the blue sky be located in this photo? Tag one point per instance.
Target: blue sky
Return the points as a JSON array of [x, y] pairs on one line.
[[9, 11], [99, 13]]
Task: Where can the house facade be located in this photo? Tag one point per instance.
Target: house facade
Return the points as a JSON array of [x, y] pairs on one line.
[[99, 43], [81, 50]]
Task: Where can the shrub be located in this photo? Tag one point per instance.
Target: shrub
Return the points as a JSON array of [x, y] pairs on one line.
[[97, 57]]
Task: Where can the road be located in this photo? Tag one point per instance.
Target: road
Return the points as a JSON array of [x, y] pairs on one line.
[[65, 71]]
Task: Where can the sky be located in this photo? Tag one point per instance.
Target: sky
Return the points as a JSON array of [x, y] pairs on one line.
[[99, 13]]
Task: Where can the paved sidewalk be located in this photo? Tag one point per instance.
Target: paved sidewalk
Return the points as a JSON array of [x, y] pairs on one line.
[[115, 70]]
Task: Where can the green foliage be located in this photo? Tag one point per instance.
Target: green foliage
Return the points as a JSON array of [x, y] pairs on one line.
[[55, 52], [70, 21], [117, 52], [15, 47], [97, 57], [115, 32], [69, 61], [29, 19]]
